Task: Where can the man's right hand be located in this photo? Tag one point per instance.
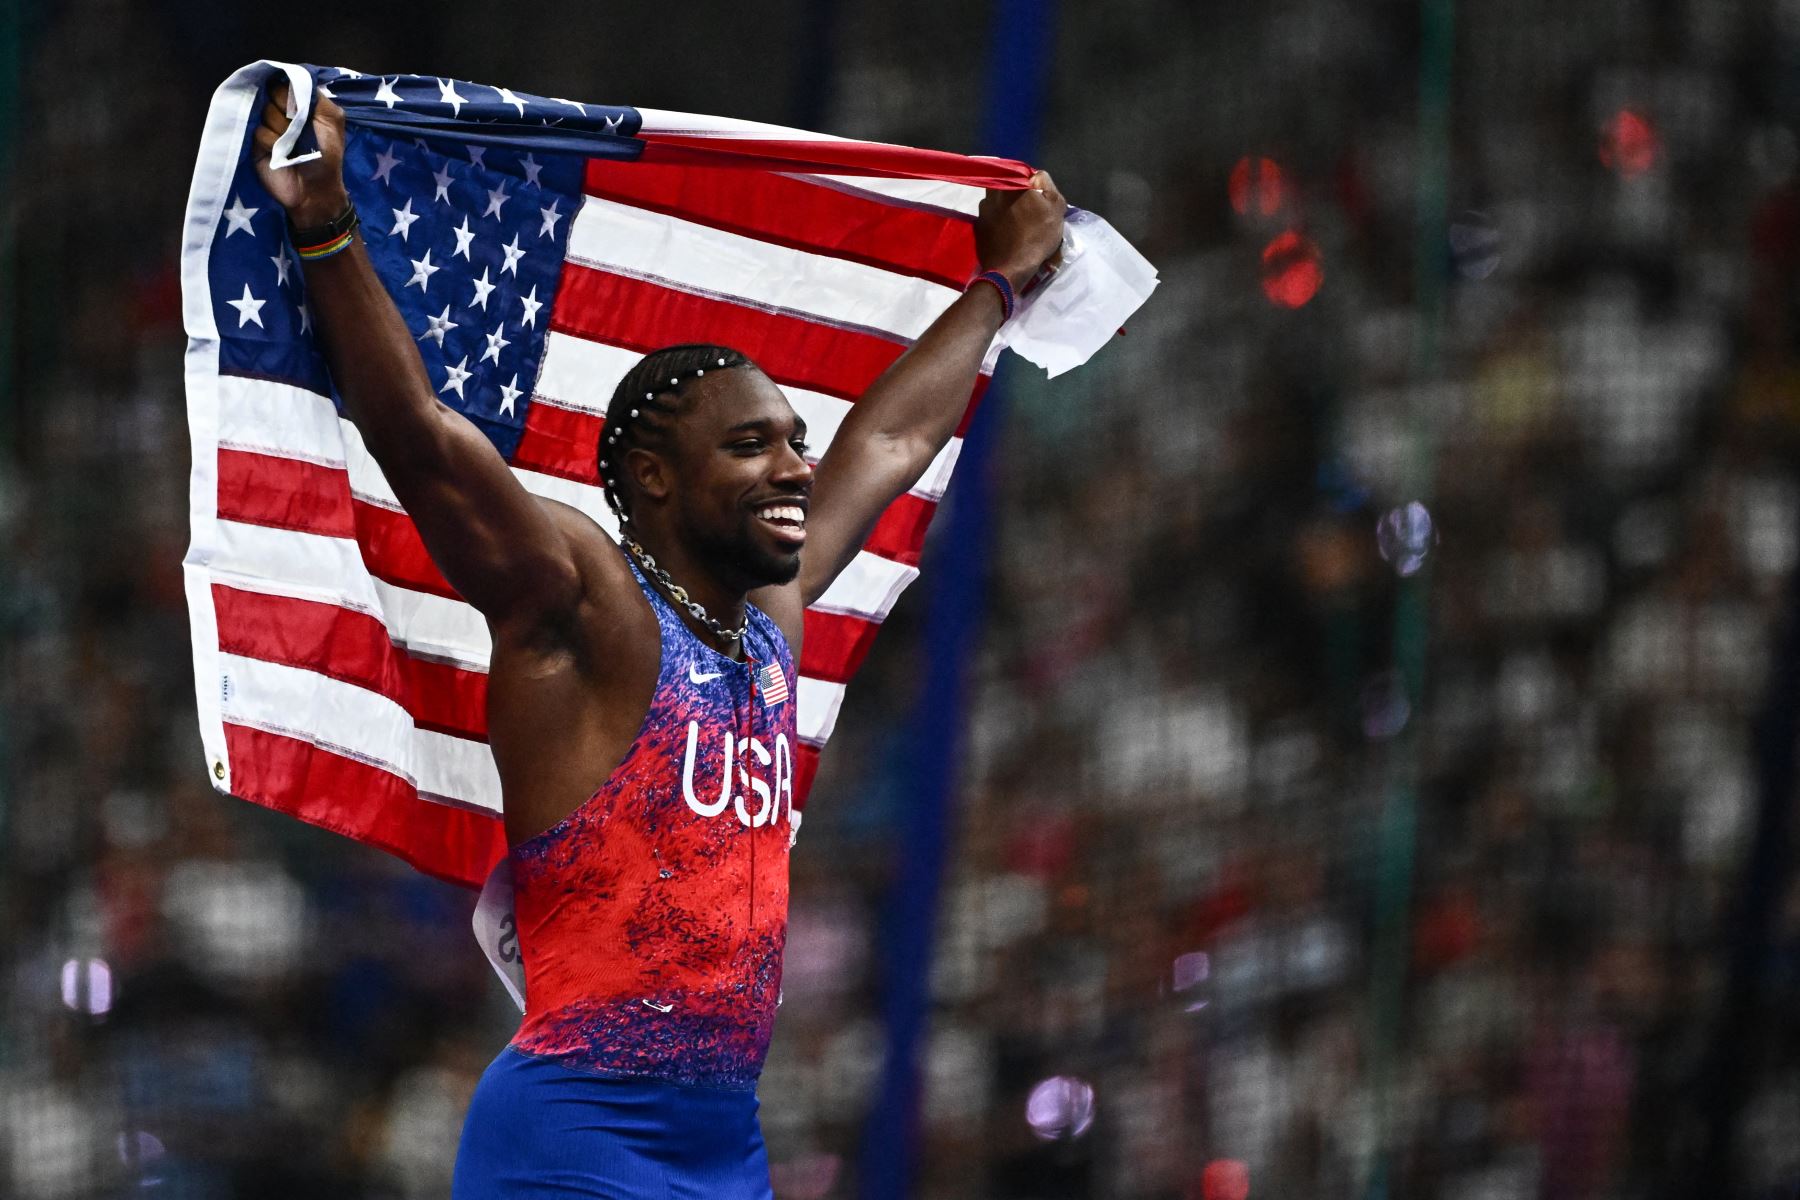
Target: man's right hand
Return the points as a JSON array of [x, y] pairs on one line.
[[313, 192]]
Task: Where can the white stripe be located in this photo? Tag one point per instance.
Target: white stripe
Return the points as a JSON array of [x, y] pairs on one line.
[[923, 193], [581, 374], [867, 588], [817, 708], [310, 566], [668, 120], [291, 422], [638, 242], [360, 724]]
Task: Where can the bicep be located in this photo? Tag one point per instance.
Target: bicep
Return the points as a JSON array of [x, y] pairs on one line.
[[496, 544]]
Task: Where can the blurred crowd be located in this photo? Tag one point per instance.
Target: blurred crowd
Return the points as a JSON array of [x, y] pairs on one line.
[[1360, 773]]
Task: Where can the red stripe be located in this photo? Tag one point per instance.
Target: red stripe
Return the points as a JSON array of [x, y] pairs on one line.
[[354, 647], [791, 350], [287, 493], [835, 645], [797, 214], [262, 489], [561, 442], [806, 769], [900, 533], [364, 802], [835, 158]]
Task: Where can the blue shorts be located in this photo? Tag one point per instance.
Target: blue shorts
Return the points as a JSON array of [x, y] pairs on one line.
[[538, 1130]]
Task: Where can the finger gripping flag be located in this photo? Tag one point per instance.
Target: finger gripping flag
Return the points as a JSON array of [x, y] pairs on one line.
[[535, 247]]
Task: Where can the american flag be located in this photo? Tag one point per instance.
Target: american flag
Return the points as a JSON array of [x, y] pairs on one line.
[[772, 683], [536, 248]]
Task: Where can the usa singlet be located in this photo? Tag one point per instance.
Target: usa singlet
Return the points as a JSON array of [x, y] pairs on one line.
[[652, 921]]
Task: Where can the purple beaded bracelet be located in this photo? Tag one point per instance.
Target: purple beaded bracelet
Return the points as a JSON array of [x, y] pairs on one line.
[[1007, 301]]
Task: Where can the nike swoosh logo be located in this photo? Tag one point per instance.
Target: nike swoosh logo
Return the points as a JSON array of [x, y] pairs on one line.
[[695, 676], [661, 1008]]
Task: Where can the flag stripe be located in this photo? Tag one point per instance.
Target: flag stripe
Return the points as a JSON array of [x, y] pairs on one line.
[[360, 724], [331, 571], [655, 246], [835, 645], [364, 802], [646, 316], [852, 159], [787, 211], [818, 702], [353, 647]]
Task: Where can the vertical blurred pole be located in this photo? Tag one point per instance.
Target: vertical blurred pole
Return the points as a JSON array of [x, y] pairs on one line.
[[12, 63], [1728, 1075], [816, 69], [1018, 72], [1397, 834]]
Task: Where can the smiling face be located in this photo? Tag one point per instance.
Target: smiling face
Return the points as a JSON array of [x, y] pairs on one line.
[[731, 481]]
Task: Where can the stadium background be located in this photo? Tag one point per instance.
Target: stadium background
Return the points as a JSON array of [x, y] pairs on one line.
[[1302, 839]]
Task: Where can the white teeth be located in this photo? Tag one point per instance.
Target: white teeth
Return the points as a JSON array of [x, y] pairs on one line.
[[783, 512]]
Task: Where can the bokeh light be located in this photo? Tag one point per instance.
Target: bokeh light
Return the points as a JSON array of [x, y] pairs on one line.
[[1474, 244], [1189, 972], [142, 1154], [1225, 1179], [1292, 270], [1385, 708], [1059, 1108], [1258, 187], [87, 986], [1628, 143], [1405, 535]]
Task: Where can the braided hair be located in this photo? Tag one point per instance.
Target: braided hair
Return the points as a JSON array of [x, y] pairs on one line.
[[644, 405]]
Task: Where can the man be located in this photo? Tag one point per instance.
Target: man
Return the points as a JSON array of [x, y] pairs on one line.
[[639, 700]]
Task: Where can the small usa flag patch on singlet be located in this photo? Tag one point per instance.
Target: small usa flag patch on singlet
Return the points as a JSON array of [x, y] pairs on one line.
[[772, 683]]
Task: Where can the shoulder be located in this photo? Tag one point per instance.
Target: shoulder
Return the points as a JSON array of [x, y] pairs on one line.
[[612, 608]]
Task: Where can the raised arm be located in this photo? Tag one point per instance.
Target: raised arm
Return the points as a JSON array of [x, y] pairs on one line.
[[911, 411], [498, 545]]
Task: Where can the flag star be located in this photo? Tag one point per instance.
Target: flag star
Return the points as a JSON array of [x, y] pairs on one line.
[[239, 217], [476, 154], [455, 376], [384, 164], [249, 308], [506, 97], [403, 219], [577, 105], [496, 343], [443, 184], [447, 95], [482, 288], [613, 123], [532, 168], [497, 199], [305, 319], [532, 304], [282, 263], [509, 392], [513, 255], [464, 236], [347, 73], [386, 93], [327, 92], [551, 217], [422, 271], [436, 327]]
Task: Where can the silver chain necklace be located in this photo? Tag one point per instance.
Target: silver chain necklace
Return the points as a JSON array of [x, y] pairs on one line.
[[679, 594]]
